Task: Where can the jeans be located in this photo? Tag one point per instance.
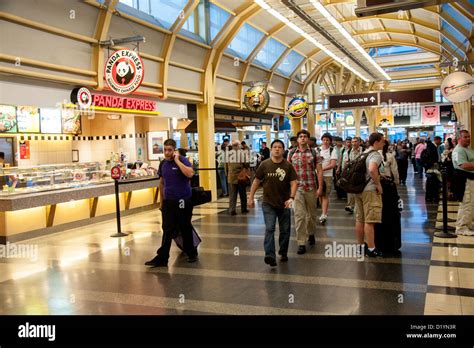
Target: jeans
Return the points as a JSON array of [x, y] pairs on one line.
[[241, 189], [177, 217], [223, 179], [270, 215], [402, 169], [419, 167]]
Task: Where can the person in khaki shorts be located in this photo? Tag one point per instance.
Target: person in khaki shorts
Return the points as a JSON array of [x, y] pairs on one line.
[[356, 150], [306, 162], [369, 203], [329, 156]]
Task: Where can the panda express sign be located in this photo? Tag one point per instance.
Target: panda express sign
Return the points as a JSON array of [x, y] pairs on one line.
[[111, 101], [124, 71]]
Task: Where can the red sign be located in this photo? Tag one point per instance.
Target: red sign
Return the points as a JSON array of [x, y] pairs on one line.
[[25, 149], [115, 172], [111, 101], [124, 71]]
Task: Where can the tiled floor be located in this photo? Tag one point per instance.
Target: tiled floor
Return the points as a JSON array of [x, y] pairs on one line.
[[84, 271]]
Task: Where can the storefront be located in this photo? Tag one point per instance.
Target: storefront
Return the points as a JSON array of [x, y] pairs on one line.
[[58, 156]]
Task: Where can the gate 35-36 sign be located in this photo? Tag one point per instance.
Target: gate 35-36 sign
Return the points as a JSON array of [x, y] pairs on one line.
[[124, 71]]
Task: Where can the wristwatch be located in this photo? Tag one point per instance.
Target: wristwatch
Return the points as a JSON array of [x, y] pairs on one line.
[[293, 198]]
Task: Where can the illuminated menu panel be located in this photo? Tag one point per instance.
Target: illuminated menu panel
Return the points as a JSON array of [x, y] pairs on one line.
[[8, 119], [50, 121], [71, 120], [28, 119]]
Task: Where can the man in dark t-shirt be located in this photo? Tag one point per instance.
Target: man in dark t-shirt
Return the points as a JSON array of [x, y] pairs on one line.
[[176, 205], [279, 189]]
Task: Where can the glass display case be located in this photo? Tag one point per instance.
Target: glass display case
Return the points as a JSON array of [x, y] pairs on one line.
[[21, 180]]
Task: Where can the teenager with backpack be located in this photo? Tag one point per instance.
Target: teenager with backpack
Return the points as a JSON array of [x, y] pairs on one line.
[[369, 202], [356, 150], [308, 166], [418, 150]]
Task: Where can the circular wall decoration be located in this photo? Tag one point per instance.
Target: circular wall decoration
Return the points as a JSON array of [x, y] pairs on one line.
[[297, 108], [124, 71], [458, 87], [257, 98]]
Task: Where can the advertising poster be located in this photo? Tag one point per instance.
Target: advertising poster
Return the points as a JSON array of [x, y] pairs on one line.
[[50, 121], [406, 114], [430, 115], [25, 149], [384, 118], [447, 114], [321, 119], [28, 119], [71, 120], [8, 119], [155, 144]]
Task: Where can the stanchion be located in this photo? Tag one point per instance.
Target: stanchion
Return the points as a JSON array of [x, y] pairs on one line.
[[445, 229], [117, 212]]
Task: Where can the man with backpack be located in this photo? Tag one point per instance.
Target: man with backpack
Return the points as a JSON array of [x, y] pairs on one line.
[[369, 202], [175, 173], [355, 151], [308, 165]]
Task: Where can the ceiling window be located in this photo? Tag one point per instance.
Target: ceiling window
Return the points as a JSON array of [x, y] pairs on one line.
[[217, 18], [269, 54], [410, 67], [415, 79], [289, 63], [161, 12], [245, 41], [465, 23], [449, 29], [393, 50]]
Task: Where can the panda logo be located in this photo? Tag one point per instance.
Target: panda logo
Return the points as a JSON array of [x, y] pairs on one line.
[[125, 73]]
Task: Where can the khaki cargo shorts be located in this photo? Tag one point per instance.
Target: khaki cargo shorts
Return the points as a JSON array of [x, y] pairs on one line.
[[368, 207], [327, 185]]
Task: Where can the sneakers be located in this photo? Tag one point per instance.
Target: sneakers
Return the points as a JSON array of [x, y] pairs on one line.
[[465, 233], [349, 209], [301, 250], [323, 219], [311, 240], [270, 260], [374, 253], [192, 259], [157, 262], [284, 258], [232, 213]]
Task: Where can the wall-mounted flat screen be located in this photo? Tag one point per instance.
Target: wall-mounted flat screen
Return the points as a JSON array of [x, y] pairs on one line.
[[28, 119], [50, 120]]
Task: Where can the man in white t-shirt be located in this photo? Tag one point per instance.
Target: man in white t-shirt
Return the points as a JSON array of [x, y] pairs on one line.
[[329, 157]]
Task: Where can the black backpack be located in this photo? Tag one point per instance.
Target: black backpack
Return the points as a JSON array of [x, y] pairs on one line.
[[353, 176]]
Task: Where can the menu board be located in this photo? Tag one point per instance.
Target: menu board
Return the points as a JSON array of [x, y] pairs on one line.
[[28, 119], [8, 119], [71, 121], [50, 121]]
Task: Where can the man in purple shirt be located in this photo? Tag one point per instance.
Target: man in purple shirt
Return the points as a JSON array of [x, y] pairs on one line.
[[176, 205]]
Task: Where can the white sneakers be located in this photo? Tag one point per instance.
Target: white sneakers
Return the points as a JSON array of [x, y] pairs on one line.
[[465, 233], [323, 219]]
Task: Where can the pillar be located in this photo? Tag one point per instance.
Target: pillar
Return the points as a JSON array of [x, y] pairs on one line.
[[312, 98], [357, 118], [183, 139], [206, 146], [241, 136], [296, 125], [370, 113], [268, 134]]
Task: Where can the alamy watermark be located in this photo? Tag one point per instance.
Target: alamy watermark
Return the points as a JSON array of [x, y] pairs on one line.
[[407, 109], [19, 251], [338, 250], [238, 156]]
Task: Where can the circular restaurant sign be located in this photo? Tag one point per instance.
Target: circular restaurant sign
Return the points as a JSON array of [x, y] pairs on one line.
[[297, 108], [257, 98], [458, 87], [124, 71], [82, 97]]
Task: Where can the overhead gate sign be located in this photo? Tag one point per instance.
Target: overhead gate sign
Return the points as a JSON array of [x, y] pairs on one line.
[[340, 101]]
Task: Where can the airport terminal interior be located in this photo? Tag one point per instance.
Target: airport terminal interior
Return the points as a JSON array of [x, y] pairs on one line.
[[92, 91]]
